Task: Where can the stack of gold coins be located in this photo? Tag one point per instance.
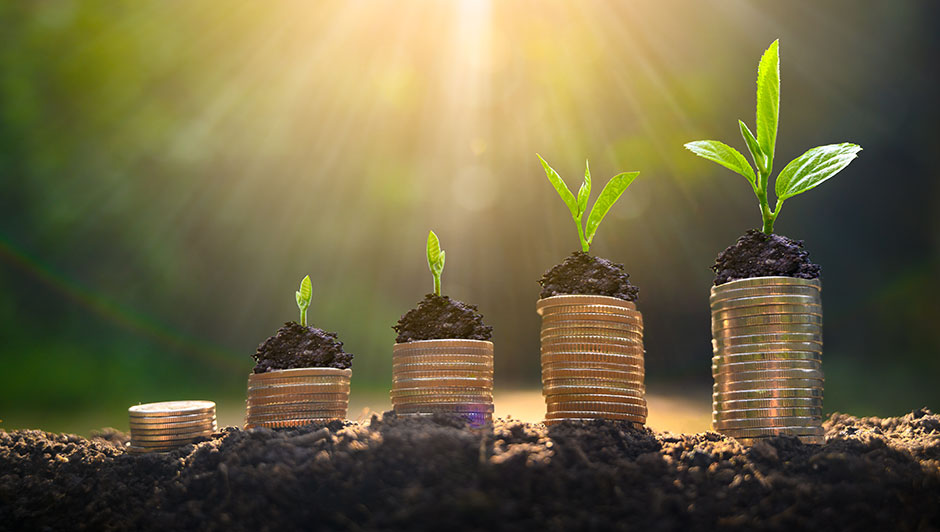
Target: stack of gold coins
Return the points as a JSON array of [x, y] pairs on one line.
[[443, 376], [166, 426], [767, 365], [592, 359], [295, 397]]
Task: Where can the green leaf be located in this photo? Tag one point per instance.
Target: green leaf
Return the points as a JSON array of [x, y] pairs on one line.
[[435, 255], [760, 160], [305, 294], [813, 167], [611, 193], [560, 187], [724, 155], [584, 193], [768, 101]]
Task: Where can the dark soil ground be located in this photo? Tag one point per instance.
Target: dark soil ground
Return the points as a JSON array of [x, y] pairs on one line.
[[581, 273], [436, 474], [757, 254], [296, 346], [439, 317]]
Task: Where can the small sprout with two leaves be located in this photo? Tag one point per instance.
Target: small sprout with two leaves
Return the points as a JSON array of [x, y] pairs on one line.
[[435, 260], [304, 297], [578, 205], [803, 173]]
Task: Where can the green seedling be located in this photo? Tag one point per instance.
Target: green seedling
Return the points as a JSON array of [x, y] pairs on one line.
[[578, 205], [304, 296], [803, 173], [435, 260]]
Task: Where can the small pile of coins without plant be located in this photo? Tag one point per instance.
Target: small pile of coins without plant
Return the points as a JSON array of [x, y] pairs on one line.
[[443, 376], [158, 427], [767, 365], [592, 359], [296, 397]]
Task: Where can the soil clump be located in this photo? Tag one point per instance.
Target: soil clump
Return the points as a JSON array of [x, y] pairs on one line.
[[757, 254], [296, 346], [440, 317], [581, 273], [437, 474]]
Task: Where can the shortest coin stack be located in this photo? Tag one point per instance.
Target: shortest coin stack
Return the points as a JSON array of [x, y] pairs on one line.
[[157, 427], [295, 397], [592, 359], [767, 340], [443, 376]]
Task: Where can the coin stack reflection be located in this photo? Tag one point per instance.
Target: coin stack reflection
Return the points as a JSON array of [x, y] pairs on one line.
[[767, 364], [592, 359], [168, 425], [443, 376], [296, 397]]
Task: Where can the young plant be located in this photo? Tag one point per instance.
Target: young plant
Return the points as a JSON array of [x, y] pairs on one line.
[[803, 173], [435, 260], [304, 296], [578, 205]]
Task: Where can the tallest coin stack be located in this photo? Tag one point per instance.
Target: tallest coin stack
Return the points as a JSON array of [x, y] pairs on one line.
[[767, 365]]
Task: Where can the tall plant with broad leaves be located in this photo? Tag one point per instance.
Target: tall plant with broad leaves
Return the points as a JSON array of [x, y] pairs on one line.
[[304, 297], [578, 205], [435, 260], [801, 174]]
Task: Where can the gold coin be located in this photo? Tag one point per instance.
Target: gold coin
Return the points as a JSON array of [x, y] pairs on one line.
[[280, 374], [173, 421], [734, 386], [773, 431], [767, 310], [756, 340], [550, 374], [588, 358], [298, 398], [576, 415], [765, 422], [173, 430], [292, 389], [591, 346], [171, 409], [600, 388], [768, 393], [288, 423], [440, 366], [297, 412], [779, 402], [456, 408], [594, 406], [405, 391], [438, 399], [775, 280], [589, 322], [636, 398], [256, 419], [167, 439], [441, 374], [768, 292], [279, 380], [636, 380], [743, 375], [719, 325], [765, 301], [599, 366], [778, 351], [581, 299], [768, 365], [434, 382], [579, 314], [457, 345], [593, 309], [762, 413]]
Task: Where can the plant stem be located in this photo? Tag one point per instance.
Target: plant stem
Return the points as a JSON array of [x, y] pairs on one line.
[[437, 285], [767, 215], [303, 317], [585, 246]]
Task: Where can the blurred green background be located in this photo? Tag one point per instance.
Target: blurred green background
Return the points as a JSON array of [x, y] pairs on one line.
[[169, 171]]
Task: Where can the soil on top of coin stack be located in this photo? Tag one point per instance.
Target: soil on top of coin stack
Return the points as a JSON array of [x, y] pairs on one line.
[[437, 474], [757, 254], [581, 273], [440, 317], [296, 346]]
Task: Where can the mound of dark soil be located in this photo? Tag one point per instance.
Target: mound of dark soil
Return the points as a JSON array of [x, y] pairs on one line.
[[439, 317], [296, 346], [757, 254], [436, 474], [581, 273]]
